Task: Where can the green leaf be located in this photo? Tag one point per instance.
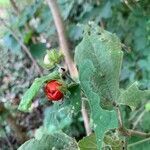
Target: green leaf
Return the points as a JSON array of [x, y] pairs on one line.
[[56, 141], [27, 36], [99, 59], [75, 32], [132, 96], [103, 53], [29, 95], [56, 118], [66, 7], [59, 116], [38, 51], [74, 99], [88, 143], [140, 145], [147, 107], [106, 10], [145, 122]]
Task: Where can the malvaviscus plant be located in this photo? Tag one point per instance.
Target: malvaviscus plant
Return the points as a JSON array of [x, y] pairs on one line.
[[99, 59]]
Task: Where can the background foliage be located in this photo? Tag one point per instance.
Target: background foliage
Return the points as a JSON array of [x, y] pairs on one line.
[[33, 24]]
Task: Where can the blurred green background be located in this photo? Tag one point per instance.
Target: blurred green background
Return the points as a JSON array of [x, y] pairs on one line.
[[32, 23]]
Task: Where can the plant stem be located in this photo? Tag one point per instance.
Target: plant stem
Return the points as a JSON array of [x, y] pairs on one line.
[[138, 133], [136, 113], [120, 121], [62, 37], [85, 118], [138, 119]]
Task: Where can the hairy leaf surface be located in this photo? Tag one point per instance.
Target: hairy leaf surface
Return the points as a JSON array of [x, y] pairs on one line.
[[99, 59], [133, 96]]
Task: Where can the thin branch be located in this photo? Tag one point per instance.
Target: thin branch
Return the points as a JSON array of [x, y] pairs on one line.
[[63, 42], [136, 113], [24, 47], [138, 119], [102, 23], [138, 133], [120, 120], [62, 37], [86, 119]]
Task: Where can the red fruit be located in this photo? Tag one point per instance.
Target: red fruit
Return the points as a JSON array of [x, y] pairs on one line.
[[52, 90]]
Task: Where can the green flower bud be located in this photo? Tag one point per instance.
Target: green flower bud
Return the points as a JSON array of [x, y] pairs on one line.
[[46, 60], [52, 58]]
